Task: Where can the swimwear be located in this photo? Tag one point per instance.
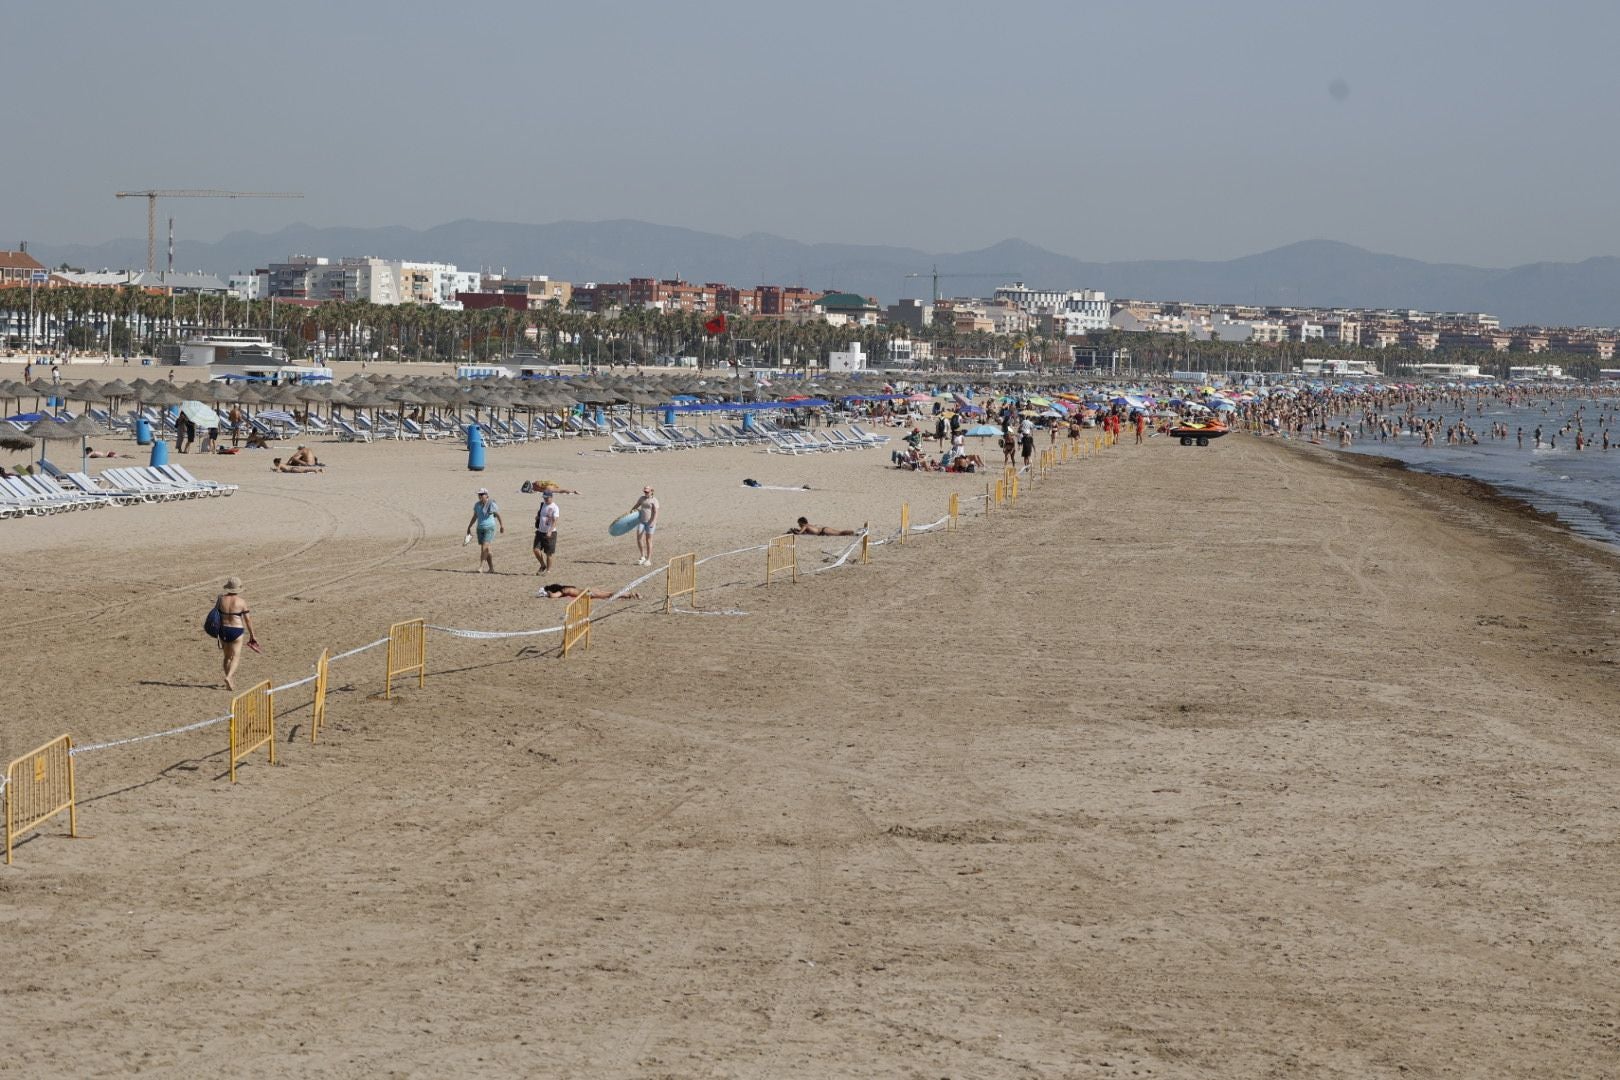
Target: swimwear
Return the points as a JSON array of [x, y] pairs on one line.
[[231, 633]]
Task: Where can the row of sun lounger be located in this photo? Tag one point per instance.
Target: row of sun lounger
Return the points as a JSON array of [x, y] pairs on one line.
[[54, 490]]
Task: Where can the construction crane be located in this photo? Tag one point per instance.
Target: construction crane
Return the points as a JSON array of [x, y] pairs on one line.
[[154, 194], [936, 275]]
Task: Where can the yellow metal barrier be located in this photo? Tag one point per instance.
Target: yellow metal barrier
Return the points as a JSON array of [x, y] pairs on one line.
[[782, 555], [905, 521], [407, 652], [1001, 492], [1012, 492], [866, 548], [39, 785], [317, 718], [253, 723], [577, 622], [953, 511], [680, 579]]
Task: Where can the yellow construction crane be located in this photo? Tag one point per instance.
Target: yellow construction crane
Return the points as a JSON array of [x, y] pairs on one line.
[[153, 195]]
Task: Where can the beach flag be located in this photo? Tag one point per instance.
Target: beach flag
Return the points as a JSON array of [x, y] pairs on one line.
[[716, 325]]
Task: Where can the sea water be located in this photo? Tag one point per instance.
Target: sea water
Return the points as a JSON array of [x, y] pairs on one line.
[[1581, 487]]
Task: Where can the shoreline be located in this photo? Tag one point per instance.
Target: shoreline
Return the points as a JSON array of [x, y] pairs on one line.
[[1361, 823]]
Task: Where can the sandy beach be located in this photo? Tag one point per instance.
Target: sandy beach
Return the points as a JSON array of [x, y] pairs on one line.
[[1241, 761]]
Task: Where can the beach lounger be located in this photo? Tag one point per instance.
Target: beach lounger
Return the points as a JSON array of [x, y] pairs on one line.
[[624, 444], [24, 492], [866, 436], [130, 480], [181, 475], [347, 432], [83, 482]]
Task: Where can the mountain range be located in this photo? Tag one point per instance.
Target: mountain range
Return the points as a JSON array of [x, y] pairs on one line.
[[1313, 273]]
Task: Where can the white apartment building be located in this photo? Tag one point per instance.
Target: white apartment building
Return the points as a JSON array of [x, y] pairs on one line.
[[1537, 373], [368, 279], [1081, 310], [249, 286]]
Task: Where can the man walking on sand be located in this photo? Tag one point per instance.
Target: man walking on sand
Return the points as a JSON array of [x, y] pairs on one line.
[[647, 507], [545, 530]]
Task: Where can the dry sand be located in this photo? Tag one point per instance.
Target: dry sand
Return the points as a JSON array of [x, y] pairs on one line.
[[1247, 761]]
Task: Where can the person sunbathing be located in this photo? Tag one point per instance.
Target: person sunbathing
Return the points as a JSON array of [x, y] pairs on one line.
[[536, 486], [92, 452], [277, 466], [804, 528], [304, 456], [555, 591]]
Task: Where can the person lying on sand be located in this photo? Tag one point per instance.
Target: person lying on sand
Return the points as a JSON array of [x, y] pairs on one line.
[[555, 591], [94, 453], [532, 486], [304, 456], [277, 466], [804, 528]]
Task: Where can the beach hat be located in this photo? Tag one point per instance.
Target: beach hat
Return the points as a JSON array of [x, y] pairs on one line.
[[233, 585], [546, 493], [647, 490], [483, 491]]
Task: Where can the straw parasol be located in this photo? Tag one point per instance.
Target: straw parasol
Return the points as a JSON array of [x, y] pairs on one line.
[[46, 429]]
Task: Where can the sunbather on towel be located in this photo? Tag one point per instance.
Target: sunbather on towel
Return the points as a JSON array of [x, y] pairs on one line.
[[304, 456], [555, 591], [277, 466], [531, 486], [94, 453], [804, 528]]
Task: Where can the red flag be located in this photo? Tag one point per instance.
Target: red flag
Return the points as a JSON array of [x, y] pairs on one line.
[[716, 325]]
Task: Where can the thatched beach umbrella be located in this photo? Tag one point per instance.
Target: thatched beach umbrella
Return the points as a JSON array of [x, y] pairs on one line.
[[46, 430]]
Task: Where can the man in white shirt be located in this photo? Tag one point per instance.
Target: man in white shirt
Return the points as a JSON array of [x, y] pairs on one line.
[[545, 530]]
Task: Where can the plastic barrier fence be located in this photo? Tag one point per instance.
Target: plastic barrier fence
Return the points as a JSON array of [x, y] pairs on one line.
[[323, 668], [577, 623], [782, 555], [905, 522], [680, 579], [253, 723], [1001, 493], [1012, 490], [407, 652], [866, 548], [953, 511], [39, 785]]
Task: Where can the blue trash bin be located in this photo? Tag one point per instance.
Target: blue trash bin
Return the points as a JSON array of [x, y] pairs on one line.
[[475, 448], [669, 416], [748, 421], [143, 431], [160, 452]]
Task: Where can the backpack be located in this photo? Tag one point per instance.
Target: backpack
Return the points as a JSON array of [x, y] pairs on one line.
[[214, 622]]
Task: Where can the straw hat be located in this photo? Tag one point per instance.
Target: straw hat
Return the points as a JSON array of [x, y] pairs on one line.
[[233, 585]]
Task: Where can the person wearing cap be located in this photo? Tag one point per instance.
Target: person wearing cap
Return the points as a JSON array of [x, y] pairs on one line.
[[545, 529], [647, 507], [486, 519], [234, 624]]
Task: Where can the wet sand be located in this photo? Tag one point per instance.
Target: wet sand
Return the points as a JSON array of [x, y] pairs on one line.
[[1244, 761]]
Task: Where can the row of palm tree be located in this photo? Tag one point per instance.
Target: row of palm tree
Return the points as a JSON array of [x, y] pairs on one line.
[[124, 320]]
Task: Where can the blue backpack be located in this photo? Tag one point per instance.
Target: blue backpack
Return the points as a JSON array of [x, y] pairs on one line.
[[214, 623]]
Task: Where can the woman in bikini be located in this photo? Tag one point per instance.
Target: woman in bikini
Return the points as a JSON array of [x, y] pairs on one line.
[[555, 591], [233, 625]]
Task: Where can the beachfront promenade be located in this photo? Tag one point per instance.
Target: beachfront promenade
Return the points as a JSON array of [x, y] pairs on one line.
[[1217, 761]]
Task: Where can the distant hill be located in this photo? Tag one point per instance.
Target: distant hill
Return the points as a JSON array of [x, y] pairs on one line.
[[1314, 272]]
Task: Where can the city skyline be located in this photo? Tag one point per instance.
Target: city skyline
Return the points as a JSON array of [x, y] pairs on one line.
[[1449, 133]]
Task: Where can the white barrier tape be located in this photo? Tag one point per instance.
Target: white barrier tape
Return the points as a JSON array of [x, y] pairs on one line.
[[494, 635], [356, 652], [933, 525], [294, 685], [697, 611], [840, 561], [738, 551], [199, 725], [643, 579], [773, 487]]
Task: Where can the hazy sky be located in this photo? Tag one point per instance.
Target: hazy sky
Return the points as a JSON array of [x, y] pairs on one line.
[[1478, 132]]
